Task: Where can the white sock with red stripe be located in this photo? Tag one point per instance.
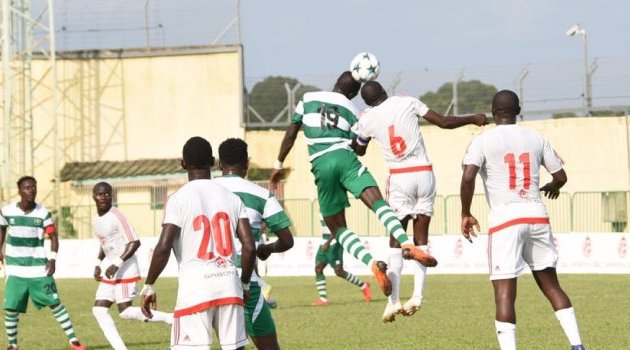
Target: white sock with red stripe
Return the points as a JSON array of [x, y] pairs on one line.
[[394, 270], [506, 335], [419, 274], [134, 313], [105, 321]]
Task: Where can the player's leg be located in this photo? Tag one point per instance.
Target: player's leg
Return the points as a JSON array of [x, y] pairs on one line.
[[124, 295], [340, 272], [394, 273], [100, 310], [43, 292], [320, 278], [421, 239], [258, 321], [542, 257], [228, 322], [15, 302], [505, 317]]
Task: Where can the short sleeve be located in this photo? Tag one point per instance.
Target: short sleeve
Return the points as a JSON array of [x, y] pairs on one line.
[[551, 160], [274, 216], [3, 221], [299, 113], [474, 154], [49, 224], [420, 108], [172, 212]]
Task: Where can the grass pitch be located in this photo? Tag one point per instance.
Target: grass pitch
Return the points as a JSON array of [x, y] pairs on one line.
[[458, 313]]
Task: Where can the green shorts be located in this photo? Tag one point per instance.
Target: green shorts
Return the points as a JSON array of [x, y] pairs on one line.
[[335, 173], [333, 256], [42, 290], [258, 320]]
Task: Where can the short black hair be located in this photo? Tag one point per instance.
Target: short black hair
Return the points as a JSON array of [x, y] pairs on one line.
[[233, 151], [197, 153], [371, 92], [346, 85], [25, 178], [506, 102], [102, 184]]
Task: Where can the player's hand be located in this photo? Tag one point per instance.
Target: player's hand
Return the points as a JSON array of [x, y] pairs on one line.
[[276, 176], [263, 252], [469, 223], [480, 119], [50, 267], [550, 191], [148, 301], [111, 271], [97, 273]]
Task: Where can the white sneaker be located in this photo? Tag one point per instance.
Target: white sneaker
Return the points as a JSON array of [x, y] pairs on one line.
[[412, 305], [389, 315]]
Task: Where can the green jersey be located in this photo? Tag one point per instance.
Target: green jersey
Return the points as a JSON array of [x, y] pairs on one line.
[[327, 119], [261, 205], [25, 255]]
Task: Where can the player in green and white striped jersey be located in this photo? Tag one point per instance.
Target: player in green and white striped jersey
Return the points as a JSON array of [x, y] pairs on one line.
[[23, 227], [262, 207], [327, 119]]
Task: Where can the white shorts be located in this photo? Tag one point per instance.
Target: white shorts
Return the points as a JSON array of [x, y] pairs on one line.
[[117, 293], [512, 249], [195, 331], [410, 194]]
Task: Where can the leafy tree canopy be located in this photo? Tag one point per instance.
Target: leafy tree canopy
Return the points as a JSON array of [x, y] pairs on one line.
[[269, 96], [473, 96]]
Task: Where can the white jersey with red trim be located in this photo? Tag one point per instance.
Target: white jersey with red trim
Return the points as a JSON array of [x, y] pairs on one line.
[[509, 158], [207, 214], [394, 125], [114, 231]]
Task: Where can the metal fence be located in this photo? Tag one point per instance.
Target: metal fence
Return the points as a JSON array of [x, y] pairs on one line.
[[577, 212]]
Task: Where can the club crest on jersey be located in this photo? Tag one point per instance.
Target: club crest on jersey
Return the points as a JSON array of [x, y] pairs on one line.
[[11, 221], [522, 193], [221, 263]]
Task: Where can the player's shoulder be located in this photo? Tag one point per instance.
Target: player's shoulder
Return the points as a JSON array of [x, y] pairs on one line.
[[238, 184], [41, 210]]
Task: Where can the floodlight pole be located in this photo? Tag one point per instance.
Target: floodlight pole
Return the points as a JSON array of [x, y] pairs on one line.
[[587, 100]]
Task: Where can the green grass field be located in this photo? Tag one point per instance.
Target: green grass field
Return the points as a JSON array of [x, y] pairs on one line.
[[458, 313]]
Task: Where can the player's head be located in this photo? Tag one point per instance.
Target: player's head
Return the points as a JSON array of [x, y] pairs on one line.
[[27, 188], [233, 156], [505, 105], [373, 93], [346, 85], [102, 195], [197, 154]]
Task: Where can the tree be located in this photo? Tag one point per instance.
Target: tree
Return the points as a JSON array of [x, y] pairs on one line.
[[269, 97], [473, 96]]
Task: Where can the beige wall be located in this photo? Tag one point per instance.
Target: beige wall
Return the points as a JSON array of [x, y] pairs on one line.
[[595, 151], [133, 105]]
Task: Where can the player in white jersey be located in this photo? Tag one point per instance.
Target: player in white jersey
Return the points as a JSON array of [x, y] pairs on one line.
[[23, 227], [509, 158], [118, 245], [262, 207], [393, 123], [201, 221]]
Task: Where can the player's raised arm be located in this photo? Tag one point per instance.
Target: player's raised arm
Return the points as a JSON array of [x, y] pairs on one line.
[[285, 147], [452, 122]]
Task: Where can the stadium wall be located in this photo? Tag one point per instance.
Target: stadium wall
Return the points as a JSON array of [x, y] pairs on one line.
[[578, 253], [595, 151]]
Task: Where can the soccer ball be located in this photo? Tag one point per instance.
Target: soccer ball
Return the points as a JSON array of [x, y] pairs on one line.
[[364, 67]]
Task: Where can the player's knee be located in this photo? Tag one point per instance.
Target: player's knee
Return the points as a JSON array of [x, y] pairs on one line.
[[340, 272], [99, 311]]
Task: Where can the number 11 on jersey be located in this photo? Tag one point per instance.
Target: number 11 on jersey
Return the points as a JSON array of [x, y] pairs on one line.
[[523, 158]]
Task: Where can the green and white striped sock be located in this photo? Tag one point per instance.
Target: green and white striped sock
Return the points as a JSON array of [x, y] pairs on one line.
[[62, 317], [11, 319], [320, 281], [387, 217], [353, 245], [353, 279]]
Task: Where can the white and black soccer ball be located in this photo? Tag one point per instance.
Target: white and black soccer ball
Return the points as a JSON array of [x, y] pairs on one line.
[[364, 67]]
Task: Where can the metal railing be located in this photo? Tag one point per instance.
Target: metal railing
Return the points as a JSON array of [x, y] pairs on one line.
[[577, 212]]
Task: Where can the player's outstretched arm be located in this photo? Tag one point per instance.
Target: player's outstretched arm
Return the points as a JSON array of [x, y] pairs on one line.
[[161, 253], [452, 122], [552, 189], [466, 191], [285, 147], [282, 244]]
